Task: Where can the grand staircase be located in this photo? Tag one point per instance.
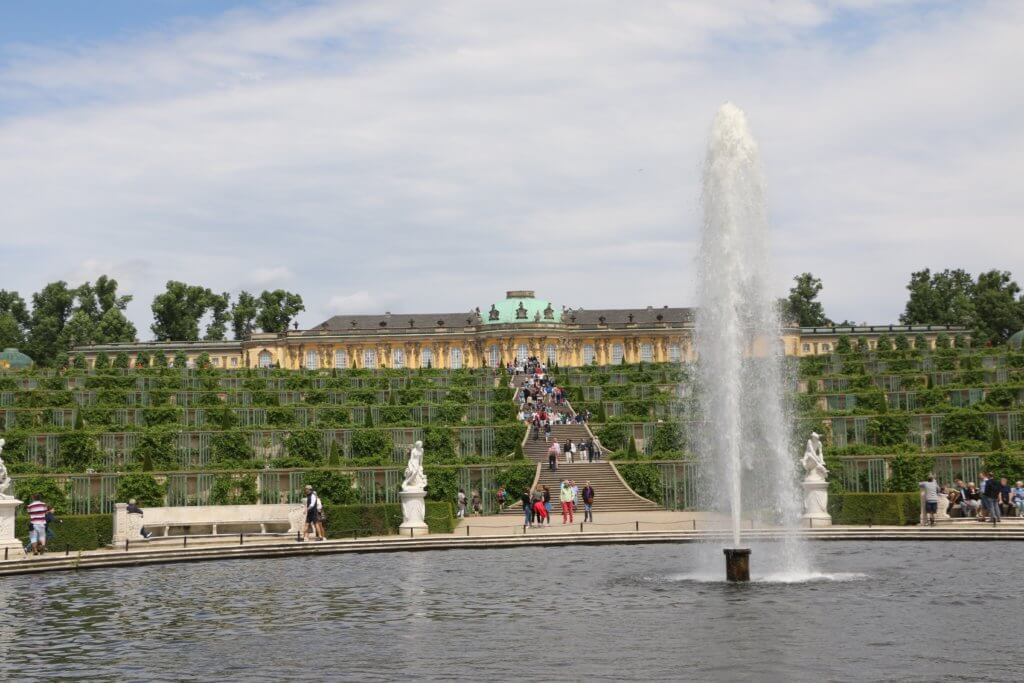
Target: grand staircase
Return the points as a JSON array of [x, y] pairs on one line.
[[611, 494]]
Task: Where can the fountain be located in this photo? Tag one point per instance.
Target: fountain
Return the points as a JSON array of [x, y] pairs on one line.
[[743, 432]]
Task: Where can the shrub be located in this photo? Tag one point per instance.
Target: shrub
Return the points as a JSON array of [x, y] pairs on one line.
[[668, 437], [78, 450], [230, 448], [1009, 465], [643, 478], [121, 360], [50, 490], [888, 429], [332, 487], [304, 443], [906, 471], [515, 478], [965, 424], [442, 483], [371, 443], [75, 532], [612, 435], [102, 361], [229, 489], [143, 488], [438, 444], [156, 449]]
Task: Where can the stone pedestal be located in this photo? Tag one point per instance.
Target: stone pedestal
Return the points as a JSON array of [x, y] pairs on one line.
[[414, 509], [7, 539], [737, 564], [941, 510], [815, 504]]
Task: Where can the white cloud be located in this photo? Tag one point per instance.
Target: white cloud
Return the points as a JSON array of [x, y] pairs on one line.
[[428, 156]]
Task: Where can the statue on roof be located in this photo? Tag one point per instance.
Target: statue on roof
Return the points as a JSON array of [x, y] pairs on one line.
[[549, 313], [521, 312], [493, 313]]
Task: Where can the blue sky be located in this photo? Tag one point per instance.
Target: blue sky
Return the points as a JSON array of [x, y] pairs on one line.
[[408, 156]]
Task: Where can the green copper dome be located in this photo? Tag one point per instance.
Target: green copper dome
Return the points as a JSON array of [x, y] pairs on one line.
[[14, 359], [520, 306]]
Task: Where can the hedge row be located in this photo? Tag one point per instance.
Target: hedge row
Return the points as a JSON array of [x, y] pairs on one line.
[[76, 532], [888, 509]]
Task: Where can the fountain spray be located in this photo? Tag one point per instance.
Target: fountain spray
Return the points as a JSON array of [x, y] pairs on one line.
[[743, 425]]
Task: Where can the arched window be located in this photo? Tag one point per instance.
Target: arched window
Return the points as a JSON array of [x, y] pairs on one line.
[[552, 354], [370, 358], [312, 360], [617, 354], [427, 358], [265, 359], [675, 354], [646, 353], [455, 359], [588, 354], [341, 359], [493, 355], [522, 353], [398, 358], [807, 348]]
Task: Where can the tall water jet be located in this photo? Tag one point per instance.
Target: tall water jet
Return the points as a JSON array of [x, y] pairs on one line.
[[742, 437]]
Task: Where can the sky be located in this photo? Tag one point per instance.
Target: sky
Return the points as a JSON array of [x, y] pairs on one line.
[[427, 156]]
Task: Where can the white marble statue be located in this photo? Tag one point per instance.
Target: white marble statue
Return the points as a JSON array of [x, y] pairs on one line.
[[6, 485], [813, 460], [415, 479], [413, 494]]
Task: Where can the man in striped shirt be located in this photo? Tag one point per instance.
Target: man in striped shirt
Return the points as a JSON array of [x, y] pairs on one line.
[[37, 524]]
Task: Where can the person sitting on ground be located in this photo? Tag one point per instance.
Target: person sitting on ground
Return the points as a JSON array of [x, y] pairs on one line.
[[134, 509]]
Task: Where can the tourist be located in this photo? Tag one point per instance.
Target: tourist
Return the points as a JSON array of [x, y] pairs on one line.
[[134, 509], [312, 512], [501, 496], [990, 497], [538, 497], [931, 498], [565, 498], [478, 508], [547, 430], [547, 503], [575, 495], [588, 503], [460, 501], [37, 521], [971, 503], [1005, 495], [553, 452], [527, 501], [568, 451], [541, 514], [573, 451], [1018, 498]]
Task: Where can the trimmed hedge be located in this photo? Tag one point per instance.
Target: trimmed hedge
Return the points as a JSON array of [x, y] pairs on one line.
[[382, 519], [889, 509], [79, 532]]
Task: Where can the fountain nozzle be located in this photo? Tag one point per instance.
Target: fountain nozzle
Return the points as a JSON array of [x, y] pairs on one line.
[[737, 564]]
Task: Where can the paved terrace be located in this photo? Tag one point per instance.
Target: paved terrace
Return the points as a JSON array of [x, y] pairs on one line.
[[492, 532]]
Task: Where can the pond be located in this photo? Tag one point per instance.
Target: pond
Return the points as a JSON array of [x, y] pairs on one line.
[[879, 611]]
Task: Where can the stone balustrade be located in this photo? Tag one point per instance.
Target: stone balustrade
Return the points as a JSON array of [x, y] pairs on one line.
[[198, 520]]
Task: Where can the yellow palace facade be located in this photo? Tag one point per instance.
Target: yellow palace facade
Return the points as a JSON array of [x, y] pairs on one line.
[[519, 326]]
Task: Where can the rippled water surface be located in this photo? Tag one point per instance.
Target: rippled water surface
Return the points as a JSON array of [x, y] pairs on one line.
[[880, 611]]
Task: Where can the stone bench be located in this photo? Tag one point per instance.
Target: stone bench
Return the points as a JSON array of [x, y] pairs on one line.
[[206, 520]]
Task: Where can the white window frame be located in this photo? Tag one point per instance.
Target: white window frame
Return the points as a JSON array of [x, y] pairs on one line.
[[234, 361], [370, 358], [675, 353], [426, 357], [618, 354], [647, 353], [265, 359], [312, 360], [455, 358], [826, 347], [589, 353], [806, 348], [522, 353], [493, 355], [551, 352], [341, 358], [398, 359]]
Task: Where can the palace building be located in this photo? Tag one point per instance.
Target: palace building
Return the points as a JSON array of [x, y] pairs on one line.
[[519, 326]]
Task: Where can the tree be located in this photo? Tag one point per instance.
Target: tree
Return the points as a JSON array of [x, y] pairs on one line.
[[14, 319], [219, 316], [998, 308], [98, 315], [176, 312], [276, 310], [243, 314], [802, 306], [944, 298], [51, 308]]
